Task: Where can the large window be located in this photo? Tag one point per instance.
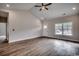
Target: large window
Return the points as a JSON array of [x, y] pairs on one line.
[[63, 28]]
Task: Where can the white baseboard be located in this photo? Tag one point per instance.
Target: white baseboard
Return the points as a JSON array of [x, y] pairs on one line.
[[27, 38]]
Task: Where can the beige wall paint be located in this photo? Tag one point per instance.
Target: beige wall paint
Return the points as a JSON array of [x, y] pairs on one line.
[[50, 31]]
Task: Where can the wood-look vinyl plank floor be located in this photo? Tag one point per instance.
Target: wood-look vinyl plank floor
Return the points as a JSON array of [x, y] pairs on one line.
[[39, 47]]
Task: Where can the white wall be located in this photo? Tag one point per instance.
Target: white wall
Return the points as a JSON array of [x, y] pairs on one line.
[[50, 31], [25, 24]]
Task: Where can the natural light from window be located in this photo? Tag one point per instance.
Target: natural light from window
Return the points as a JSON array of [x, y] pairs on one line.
[[63, 28]]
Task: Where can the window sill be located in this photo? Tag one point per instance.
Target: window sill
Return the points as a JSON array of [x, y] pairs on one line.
[[63, 35]]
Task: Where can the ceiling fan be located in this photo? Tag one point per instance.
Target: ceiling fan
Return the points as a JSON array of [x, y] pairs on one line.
[[43, 6]]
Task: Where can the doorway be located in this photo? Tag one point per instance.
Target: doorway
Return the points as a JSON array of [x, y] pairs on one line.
[[3, 27]]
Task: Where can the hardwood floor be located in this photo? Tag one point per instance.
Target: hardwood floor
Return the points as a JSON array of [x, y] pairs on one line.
[[39, 47]]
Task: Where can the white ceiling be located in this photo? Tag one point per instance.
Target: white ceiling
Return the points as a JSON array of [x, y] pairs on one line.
[[55, 10], [17, 6]]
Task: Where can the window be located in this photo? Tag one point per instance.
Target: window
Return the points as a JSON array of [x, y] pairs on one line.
[[67, 28], [63, 28], [58, 28]]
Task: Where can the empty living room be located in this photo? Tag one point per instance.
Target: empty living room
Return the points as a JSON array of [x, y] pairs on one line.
[[39, 29]]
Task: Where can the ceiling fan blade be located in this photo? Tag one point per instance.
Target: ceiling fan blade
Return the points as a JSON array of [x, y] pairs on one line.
[[46, 8], [40, 9], [37, 6], [48, 4]]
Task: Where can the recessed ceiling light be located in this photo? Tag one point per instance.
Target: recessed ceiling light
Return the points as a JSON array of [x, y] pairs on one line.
[[74, 8], [7, 5]]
